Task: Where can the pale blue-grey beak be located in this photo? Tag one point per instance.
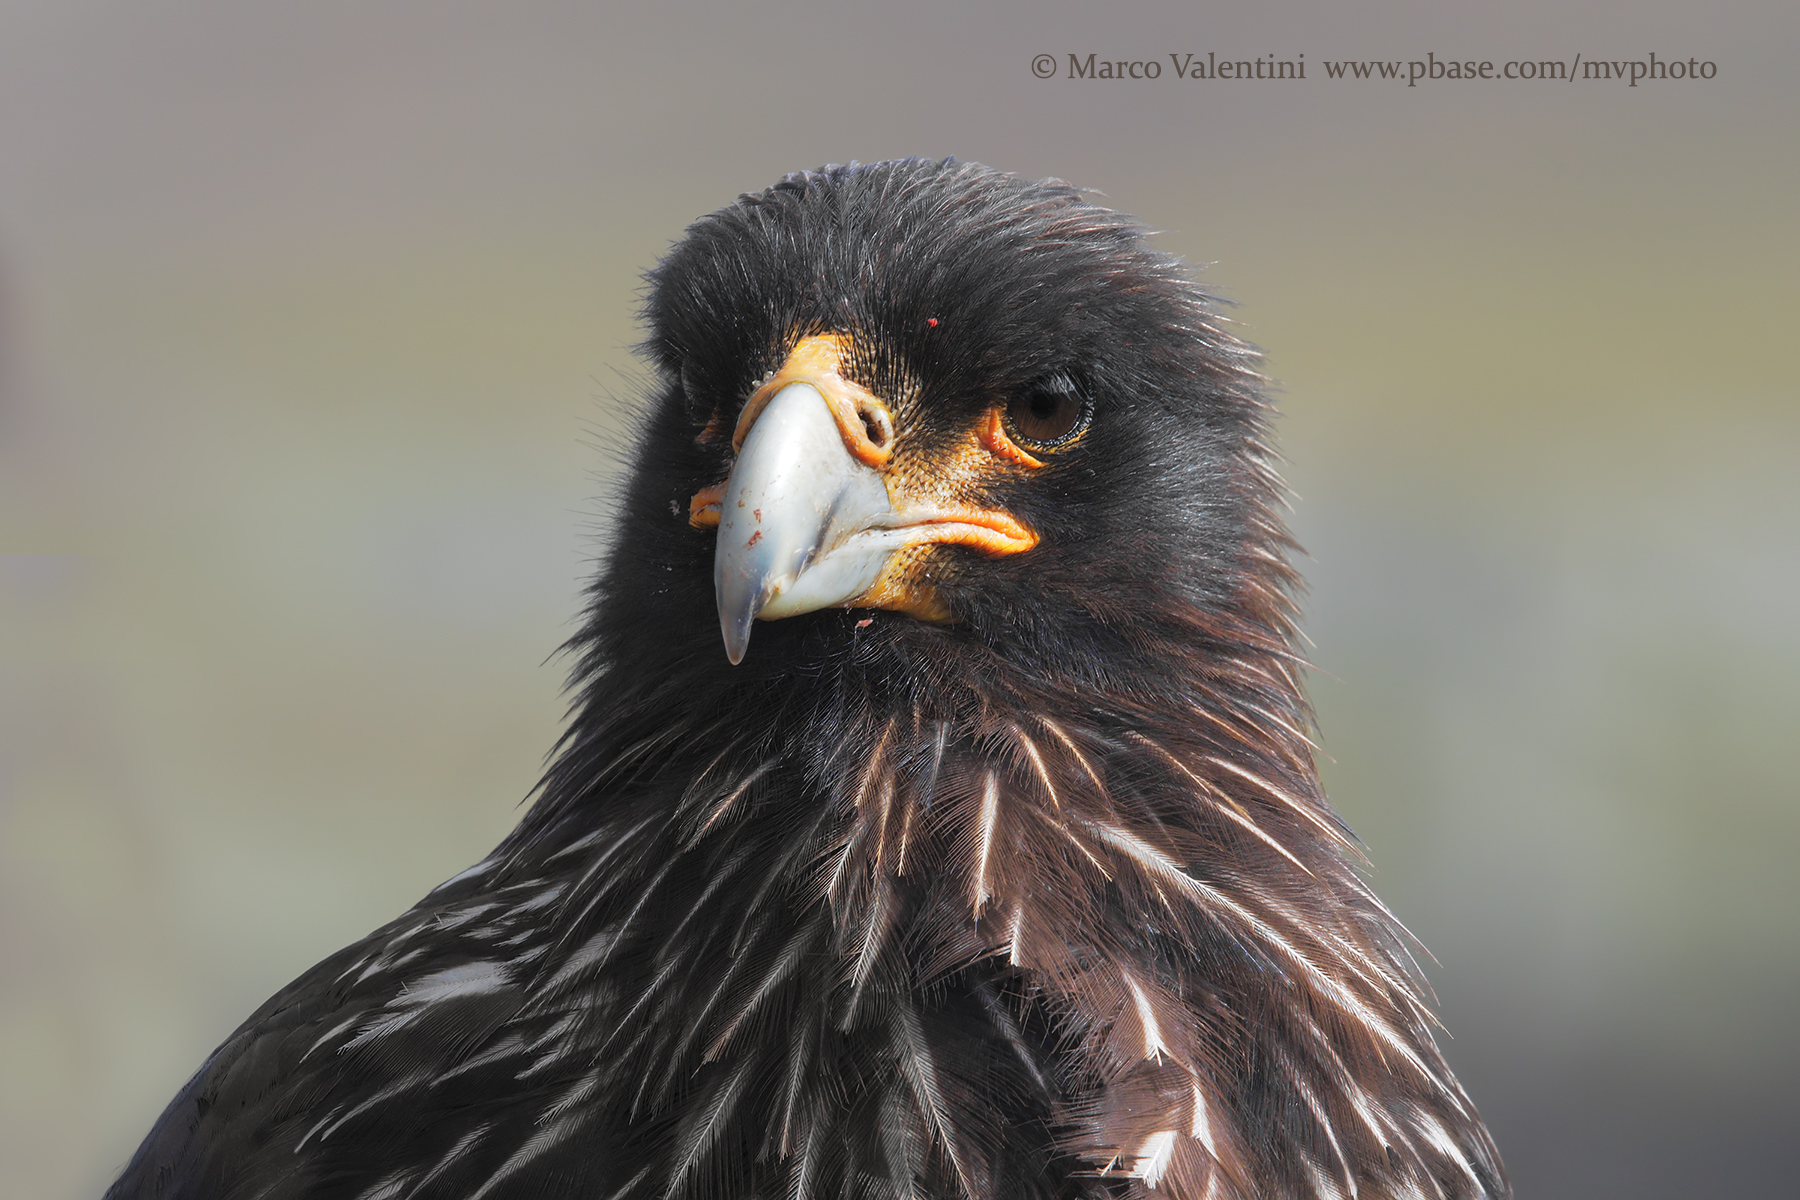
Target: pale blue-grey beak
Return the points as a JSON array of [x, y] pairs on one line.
[[803, 524]]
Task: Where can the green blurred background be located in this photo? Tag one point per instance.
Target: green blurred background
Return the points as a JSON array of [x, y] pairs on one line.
[[315, 328]]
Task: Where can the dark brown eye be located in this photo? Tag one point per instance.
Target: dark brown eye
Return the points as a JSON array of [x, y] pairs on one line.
[[1048, 415]]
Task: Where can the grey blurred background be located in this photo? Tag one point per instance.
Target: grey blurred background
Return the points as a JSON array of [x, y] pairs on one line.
[[315, 328]]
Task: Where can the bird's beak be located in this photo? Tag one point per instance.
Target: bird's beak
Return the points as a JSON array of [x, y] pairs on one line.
[[802, 524], [808, 519]]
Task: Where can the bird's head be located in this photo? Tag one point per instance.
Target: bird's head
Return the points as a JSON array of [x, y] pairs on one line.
[[919, 411]]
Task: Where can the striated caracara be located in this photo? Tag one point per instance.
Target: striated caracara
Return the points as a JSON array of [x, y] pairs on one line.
[[986, 860]]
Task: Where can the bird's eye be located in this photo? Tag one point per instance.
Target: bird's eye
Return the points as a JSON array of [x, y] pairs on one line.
[[1048, 415]]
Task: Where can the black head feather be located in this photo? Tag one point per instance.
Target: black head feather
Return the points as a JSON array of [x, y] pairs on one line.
[[1041, 899]]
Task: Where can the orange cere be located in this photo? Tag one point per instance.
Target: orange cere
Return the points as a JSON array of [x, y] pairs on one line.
[[862, 418]]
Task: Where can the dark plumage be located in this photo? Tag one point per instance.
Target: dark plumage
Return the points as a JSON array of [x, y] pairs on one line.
[[1001, 872]]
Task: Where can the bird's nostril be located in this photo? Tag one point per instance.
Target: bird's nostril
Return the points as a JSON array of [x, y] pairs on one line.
[[878, 427]]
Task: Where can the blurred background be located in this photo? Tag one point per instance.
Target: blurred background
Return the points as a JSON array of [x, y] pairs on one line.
[[315, 329]]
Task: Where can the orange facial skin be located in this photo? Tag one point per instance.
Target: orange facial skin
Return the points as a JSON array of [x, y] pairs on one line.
[[993, 436], [703, 509]]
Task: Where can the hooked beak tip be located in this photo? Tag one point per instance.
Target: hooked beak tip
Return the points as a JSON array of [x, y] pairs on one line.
[[737, 639], [740, 599]]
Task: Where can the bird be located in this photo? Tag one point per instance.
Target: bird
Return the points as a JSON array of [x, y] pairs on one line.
[[938, 814]]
